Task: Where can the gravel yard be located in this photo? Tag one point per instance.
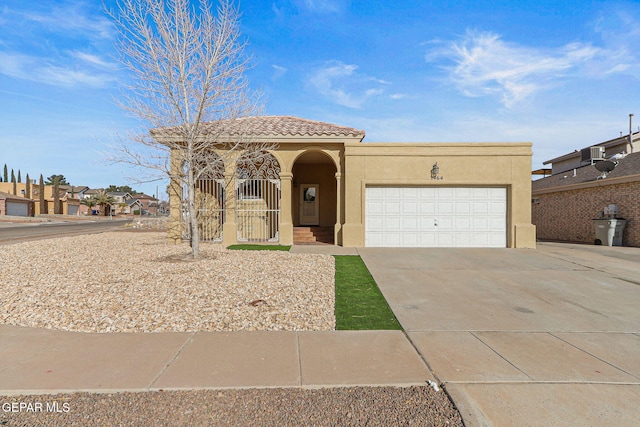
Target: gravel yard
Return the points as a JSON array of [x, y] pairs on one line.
[[362, 406], [136, 282]]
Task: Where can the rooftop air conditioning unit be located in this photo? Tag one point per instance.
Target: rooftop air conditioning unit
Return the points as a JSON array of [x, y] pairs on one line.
[[592, 154]]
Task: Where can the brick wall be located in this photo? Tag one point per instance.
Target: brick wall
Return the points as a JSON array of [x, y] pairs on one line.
[[567, 215]]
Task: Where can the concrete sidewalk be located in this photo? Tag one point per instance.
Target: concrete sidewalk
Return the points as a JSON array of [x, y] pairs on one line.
[[518, 337], [34, 361], [523, 337]]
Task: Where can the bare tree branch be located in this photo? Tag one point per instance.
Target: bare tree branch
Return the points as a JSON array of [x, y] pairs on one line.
[[187, 65]]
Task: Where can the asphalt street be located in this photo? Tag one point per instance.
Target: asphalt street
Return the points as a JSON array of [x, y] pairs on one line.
[[13, 232]]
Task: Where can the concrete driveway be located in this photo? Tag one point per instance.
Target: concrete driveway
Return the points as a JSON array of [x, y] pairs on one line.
[[523, 337]]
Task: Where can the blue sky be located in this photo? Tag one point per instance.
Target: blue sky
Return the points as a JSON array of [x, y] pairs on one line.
[[563, 75]]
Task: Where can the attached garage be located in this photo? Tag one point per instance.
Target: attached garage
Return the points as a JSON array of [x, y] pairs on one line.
[[430, 216], [15, 205]]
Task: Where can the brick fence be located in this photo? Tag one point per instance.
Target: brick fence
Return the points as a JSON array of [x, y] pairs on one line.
[[567, 215]]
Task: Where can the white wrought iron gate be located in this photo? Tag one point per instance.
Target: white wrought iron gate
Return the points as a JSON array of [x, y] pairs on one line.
[[258, 210]]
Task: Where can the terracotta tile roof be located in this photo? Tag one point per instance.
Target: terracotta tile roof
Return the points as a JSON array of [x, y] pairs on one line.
[[630, 165], [273, 126]]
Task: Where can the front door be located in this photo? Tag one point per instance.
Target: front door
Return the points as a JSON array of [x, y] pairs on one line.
[[309, 209]]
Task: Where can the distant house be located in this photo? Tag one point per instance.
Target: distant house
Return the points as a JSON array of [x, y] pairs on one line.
[[148, 203], [120, 196], [15, 205], [92, 192], [565, 203], [67, 205], [122, 200], [133, 206], [74, 191]]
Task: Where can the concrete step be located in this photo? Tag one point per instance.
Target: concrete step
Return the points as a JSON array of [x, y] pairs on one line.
[[309, 234]]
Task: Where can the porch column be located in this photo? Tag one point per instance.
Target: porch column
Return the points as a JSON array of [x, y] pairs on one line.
[[230, 228], [337, 230], [174, 231], [286, 218]]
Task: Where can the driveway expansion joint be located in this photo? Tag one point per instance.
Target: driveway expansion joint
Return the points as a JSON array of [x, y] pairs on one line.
[[173, 359], [594, 356], [424, 360], [501, 356]]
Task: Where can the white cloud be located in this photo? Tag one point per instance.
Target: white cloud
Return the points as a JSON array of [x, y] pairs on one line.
[[279, 71], [398, 96], [484, 64], [344, 85], [42, 70], [52, 43], [619, 30], [322, 6], [72, 17], [93, 60]]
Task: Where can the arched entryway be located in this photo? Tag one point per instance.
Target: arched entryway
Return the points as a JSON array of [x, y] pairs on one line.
[[314, 198]]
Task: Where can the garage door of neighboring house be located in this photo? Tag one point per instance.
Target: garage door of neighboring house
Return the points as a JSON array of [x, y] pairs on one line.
[[73, 210], [436, 217], [17, 209]]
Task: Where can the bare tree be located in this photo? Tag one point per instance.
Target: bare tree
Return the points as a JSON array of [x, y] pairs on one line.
[[188, 82]]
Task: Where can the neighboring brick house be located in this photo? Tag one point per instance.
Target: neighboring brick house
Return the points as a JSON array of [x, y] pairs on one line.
[[148, 203], [565, 203]]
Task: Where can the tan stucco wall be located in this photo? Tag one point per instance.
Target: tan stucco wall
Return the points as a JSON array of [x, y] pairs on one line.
[[463, 164]]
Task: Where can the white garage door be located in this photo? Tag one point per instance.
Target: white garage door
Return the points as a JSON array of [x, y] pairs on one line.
[[436, 217], [17, 209]]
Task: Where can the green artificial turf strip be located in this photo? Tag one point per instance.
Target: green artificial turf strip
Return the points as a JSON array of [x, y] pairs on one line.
[[359, 303], [259, 247]]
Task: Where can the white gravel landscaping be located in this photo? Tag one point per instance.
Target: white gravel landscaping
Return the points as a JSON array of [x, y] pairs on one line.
[[136, 282]]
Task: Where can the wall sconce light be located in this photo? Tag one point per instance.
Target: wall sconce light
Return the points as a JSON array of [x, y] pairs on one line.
[[435, 170]]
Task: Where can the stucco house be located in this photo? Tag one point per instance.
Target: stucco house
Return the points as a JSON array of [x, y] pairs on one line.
[[565, 203], [67, 205], [364, 194]]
